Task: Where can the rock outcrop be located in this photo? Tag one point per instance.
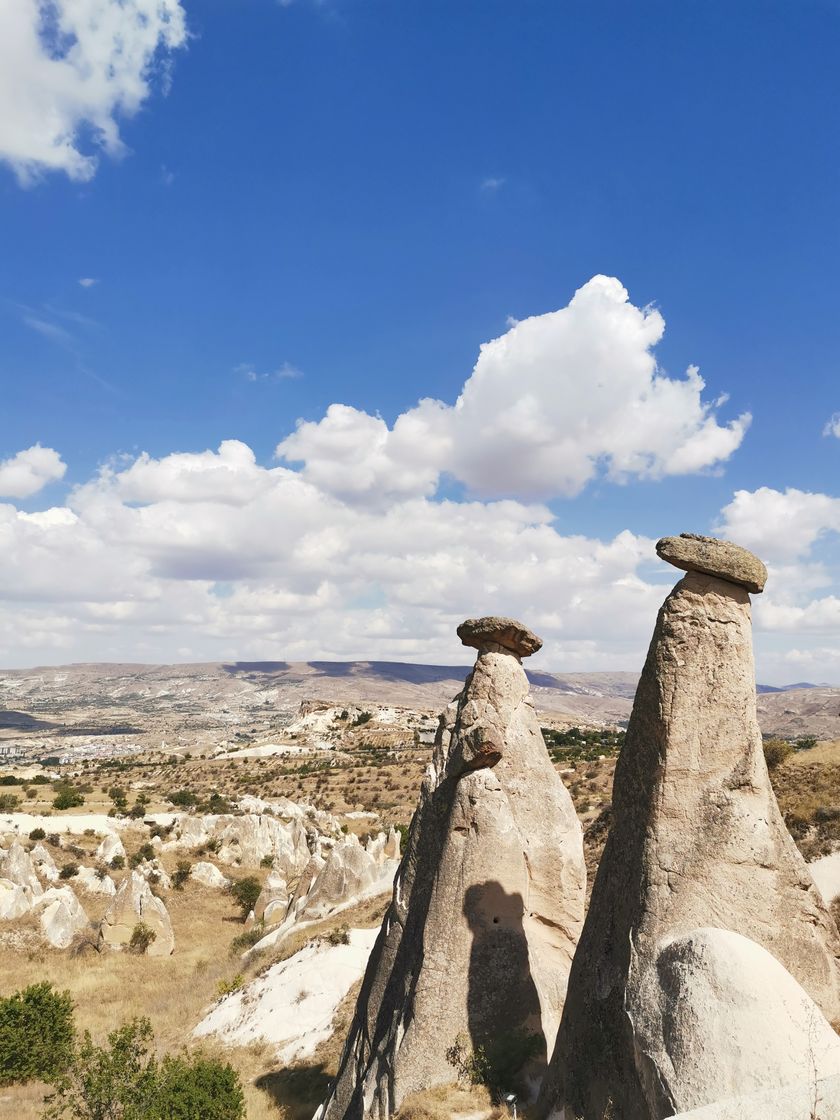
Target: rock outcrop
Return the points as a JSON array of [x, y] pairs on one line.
[[110, 847], [208, 875], [697, 840], [487, 903], [806, 1100], [61, 916], [134, 903], [44, 863], [95, 881]]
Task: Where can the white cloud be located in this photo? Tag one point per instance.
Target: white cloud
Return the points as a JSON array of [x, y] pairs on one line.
[[556, 402], [69, 69], [29, 471], [284, 372], [87, 282], [492, 183], [781, 526], [832, 428]]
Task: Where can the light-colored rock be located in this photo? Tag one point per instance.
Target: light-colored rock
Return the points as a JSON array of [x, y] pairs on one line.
[[735, 1022], [44, 863], [110, 847], [697, 839], [350, 874], [807, 1100], [825, 872], [14, 900], [94, 882], [273, 901], [247, 840], [61, 916], [132, 904], [293, 1004], [487, 903], [17, 866], [208, 875], [714, 557]]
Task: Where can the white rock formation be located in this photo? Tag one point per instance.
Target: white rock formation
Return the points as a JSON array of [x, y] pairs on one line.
[[273, 901], [697, 840], [735, 1022], [61, 916], [14, 901], [208, 875], [134, 903], [806, 1100], [292, 1005], [110, 847], [93, 882], [17, 867], [44, 863], [487, 903]]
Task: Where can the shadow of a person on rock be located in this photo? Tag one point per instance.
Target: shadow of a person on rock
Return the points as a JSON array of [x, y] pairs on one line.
[[503, 1006]]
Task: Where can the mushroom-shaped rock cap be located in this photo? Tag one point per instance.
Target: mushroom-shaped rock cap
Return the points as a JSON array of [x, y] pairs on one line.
[[714, 557], [480, 633]]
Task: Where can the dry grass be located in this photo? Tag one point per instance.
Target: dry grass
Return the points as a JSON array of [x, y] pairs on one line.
[[448, 1101]]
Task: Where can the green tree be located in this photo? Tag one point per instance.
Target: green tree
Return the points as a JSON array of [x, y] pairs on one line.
[[68, 798], [36, 1034], [198, 1089], [246, 892]]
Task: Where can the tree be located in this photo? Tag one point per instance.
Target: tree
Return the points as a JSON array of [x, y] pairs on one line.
[[246, 892], [199, 1089], [36, 1034], [68, 798]]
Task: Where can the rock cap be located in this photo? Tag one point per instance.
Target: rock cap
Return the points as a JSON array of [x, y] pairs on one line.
[[507, 632], [713, 557]]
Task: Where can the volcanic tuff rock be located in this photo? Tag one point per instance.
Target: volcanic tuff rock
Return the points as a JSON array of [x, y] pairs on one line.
[[487, 904], [110, 847], [697, 840], [483, 633], [61, 916], [132, 904], [714, 557], [801, 1101]]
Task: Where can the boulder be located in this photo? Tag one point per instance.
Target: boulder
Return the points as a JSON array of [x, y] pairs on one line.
[[44, 863], [14, 900], [484, 633], [208, 875], [487, 903], [809, 1099], [110, 847], [95, 882], [713, 557], [134, 903], [697, 840], [61, 916], [718, 1016], [17, 867]]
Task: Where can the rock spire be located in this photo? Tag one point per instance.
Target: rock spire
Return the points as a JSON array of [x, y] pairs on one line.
[[697, 841], [488, 901]]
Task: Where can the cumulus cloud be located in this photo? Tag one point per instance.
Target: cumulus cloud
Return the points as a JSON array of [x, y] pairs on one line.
[[87, 281], [554, 403], [69, 69], [832, 428], [29, 471], [780, 525], [284, 372]]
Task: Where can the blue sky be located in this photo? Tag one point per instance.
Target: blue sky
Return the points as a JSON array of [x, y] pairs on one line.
[[338, 203]]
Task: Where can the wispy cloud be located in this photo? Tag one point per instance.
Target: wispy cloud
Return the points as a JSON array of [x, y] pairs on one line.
[[50, 322], [285, 372], [493, 183], [832, 428], [49, 330], [167, 177], [87, 282]]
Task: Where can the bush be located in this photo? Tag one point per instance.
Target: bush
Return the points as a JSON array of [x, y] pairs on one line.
[[245, 893], [362, 717], [775, 752], [68, 798], [8, 802], [68, 871], [181, 874], [247, 938], [144, 852], [36, 1034], [124, 1081], [118, 863], [225, 987], [339, 936], [183, 797], [141, 938], [498, 1062], [37, 834], [137, 812]]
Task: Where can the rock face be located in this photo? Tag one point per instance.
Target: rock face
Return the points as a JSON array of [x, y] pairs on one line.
[[94, 882], [735, 1022], [132, 904], [61, 916], [110, 847], [208, 875], [697, 840], [804, 1100], [43, 863], [487, 903], [713, 557]]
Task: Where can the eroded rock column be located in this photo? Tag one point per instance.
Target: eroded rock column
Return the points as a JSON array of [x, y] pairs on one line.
[[488, 900]]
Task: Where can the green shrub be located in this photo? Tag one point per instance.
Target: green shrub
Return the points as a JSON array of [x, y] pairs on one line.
[[181, 874], [124, 1081], [246, 892], [9, 802], [36, 1034], [68, 798], [362, 717], [118, 863], [69, 871], [183, 797], [137, 812], [141, 938], [37, 834], [225, 987], [496, 1063], [247, 938], [144, 852], [775, 752]]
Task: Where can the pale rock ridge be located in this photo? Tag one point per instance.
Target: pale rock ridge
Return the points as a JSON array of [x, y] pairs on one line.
[[208, 875], [697, 840], [487, 904], [804, 1100], [44, 863], [95, 883], [134, 903], [110, 847]]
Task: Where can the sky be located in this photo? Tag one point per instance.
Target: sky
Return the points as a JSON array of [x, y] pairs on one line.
[[325, 324]]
